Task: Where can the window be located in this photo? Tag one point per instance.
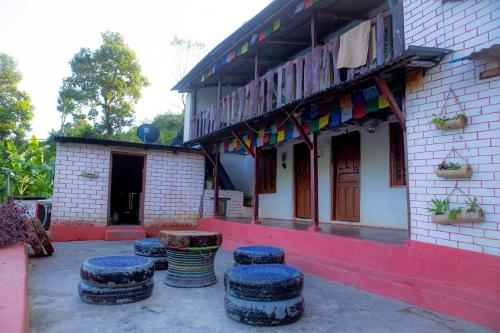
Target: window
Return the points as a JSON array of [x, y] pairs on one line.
[[397, 155], [267, 170]]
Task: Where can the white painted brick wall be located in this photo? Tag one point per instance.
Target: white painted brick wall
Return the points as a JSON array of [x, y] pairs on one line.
[[235, 203], [468, 26], [173, 187]]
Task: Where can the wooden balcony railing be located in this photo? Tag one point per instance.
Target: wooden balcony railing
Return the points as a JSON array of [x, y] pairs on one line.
[[299, 78]]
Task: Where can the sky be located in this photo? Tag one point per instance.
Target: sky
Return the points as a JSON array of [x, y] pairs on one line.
[[44, 35]]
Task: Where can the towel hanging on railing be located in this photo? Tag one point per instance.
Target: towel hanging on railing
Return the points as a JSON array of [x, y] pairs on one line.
[[353, 50]]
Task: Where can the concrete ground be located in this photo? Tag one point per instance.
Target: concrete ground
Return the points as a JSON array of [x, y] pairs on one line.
[[330, 307]]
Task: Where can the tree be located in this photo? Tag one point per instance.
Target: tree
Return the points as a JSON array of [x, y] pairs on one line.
[[104, 86], [16, 110], [186, 53]]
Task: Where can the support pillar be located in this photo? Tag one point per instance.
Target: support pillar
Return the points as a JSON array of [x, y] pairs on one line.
[[216, 182], [256, 185], [314, 185]]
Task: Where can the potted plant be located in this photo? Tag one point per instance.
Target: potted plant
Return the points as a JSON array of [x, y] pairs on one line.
[[209, 183], [473, 213], [452, 170], [444, 123], [439, 209]]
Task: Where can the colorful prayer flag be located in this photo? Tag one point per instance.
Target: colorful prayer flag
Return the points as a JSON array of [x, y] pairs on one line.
[[359, 104], [308, 3], [370, 92], [314, 111], [346, 114], [334, 118], [382, 102], [345, 102], [372, 105], [276, 25], [299, 7], [323, 121]]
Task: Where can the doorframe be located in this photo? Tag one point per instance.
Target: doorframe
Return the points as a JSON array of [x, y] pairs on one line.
[[294, 186], [333, 177], [143, 185]]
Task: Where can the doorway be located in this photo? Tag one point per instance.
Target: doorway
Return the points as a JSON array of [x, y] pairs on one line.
[[346, 161], [302, 171], [126, 194]]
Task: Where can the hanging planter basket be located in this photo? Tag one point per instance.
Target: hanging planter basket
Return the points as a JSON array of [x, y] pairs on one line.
[[472, 214], [472, 217], [442, 218], [442, 122], [460, 121], [450, 170]]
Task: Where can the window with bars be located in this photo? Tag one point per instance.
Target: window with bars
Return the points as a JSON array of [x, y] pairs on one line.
[[267, 170], [397, 155]]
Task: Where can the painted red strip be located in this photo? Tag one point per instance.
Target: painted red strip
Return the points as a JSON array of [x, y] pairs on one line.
[[14, 289]]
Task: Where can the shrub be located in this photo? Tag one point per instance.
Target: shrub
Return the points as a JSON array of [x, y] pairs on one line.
[[13, 230]]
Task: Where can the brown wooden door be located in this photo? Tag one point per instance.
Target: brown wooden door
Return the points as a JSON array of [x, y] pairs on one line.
[[346, 157], [302, 169]]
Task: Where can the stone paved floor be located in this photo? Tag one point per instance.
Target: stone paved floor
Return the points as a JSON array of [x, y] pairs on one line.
[[330, 307]]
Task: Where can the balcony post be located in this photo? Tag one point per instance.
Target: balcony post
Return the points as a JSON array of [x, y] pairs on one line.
[[314, 185], [256, 185], [216, 181]]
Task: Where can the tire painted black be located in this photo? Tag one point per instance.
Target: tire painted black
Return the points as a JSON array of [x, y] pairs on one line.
[[96, 295], [116, 271], [250, 255], [161, 263], [265, 313], [150, 247], [266, 282]]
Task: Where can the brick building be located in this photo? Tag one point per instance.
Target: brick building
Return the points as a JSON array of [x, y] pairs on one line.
[[100, 184], [339, 107]]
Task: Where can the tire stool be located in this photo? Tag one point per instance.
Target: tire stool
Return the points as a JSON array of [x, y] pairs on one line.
[[250, 255], [116, 279], [265, 294], [154, 250]]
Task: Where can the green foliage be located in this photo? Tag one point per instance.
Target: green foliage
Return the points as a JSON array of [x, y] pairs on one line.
[[169, 125], [439, 120], [449, 166], [439, 206], [16, 110], [454, 213], [104, 86], [30, 171], [472, 205]]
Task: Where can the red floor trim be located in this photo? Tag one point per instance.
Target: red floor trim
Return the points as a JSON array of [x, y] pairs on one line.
[[461, 283], [14, 289]]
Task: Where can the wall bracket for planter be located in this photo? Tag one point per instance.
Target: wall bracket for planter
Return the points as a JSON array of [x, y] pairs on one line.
[[451, 170], [443, 122]]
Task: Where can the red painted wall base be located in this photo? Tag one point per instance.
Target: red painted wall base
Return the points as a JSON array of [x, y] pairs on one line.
[[86, 231], [461, 283]]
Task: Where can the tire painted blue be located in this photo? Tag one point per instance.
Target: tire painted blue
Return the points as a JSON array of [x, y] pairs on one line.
[[264, 313], [264, 282], [150, 247], [116, 271], [249, 255], [96, 295]]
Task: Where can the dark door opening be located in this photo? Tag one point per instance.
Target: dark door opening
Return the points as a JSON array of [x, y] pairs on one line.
[[126, 189], [302, 162], [346, 159]]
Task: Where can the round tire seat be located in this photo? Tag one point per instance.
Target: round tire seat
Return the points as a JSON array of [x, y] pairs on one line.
[[97, 295], [266, 282], [264, 313], [150, 247], [190, 238], [116, 271], [249, 255], [153, 249]]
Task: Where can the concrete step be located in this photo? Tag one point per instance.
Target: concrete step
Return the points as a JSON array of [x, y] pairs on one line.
[[124, 233]]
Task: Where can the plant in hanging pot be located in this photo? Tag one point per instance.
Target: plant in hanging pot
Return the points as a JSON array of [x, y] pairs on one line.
[[439, 209], [452, 170], [473, 213], [444, 123], [209, 183]]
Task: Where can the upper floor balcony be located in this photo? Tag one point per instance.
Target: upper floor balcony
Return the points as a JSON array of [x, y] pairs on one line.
[[313, 71]]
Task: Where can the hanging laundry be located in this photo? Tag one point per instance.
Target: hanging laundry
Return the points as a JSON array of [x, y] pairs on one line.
[[354, 44]]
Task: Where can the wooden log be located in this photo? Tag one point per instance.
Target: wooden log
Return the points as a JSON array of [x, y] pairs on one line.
[[34, 241], [241, 103], [326, 67], [289, 87], [279, 88], [299, 75], [269, 90], [234, 109], [42, 235], [380, 39], [397, 30], [262, 95], [308, 74], [315, 69]]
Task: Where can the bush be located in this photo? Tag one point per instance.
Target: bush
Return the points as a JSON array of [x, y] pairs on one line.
[[13, 229]]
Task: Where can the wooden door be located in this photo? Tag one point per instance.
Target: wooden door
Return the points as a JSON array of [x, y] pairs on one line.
[[346, 155], [302, 172]]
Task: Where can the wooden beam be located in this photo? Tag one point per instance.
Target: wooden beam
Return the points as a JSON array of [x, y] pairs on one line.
[[337, 16], [286, 42], [207, 155], [314, 185], [384, 89], [243, 143], [256, 185], [299, 128], [216, 182]]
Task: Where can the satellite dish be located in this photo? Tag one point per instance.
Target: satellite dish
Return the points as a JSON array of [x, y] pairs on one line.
[[148, 133]]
